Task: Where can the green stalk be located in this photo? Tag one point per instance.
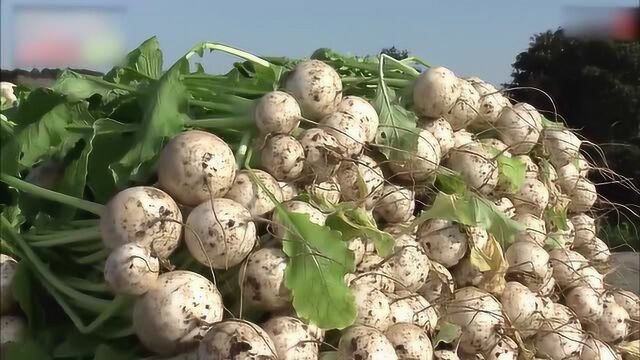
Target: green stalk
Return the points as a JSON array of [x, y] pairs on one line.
[[90, 247], [241, 153], [374, 81], [82, 284], [93, 258], [212, 105], [51, 195], [229, 50], [222, 122], [70, 236]]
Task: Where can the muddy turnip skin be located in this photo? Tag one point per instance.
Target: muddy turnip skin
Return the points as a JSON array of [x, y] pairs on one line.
[[195, 166], [250, 195], [527, 259], [613, 325], [535, 228], [439, 284], [349, 132], [585, 227], [371, 174], [317, 88], [262, 279], [12, 329], [236, 339], [410, 341], [292, 338], [461, 138], [476, 166], [532, 197], [629, 301], [560, 336], [423, 313], [365, 343], [277, 112], [443, 241], [519, 127], [583, 196], [362, 112], [8, 268], [506, 206], [435, 92], [325, 192], [442, 131], [465, 109], [322, 154], [490, 105], [220, 233], [568, 268], [562, 145], [143, 215], [409, 265], [396, 204], [131, 270], [421, 160], [522, 307], [289, 190], [595, 349], [283, 157], [372, 306], [586, 302], [445, 355], [505, 349], [595, 250], [174, 315]]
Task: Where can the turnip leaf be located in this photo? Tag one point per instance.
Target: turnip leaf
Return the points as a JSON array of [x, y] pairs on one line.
[[511, 172], [354, 222], [447, 333]]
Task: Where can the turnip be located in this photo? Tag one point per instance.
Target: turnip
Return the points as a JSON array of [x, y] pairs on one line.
[[595, 250], [299, 207], [435, 92], [357, 247], [365, 343], [546, 287], [583, 196], [326, 192], [519, 127], [466, 274], [12, 330], [348, 132], [490, 105], [442, 131], [362, 112], [594, 349], [568, 177], [283, 157], [174, 315], [131, 270], [497, 145], [419, 162], [322, 154], [289, 190], [352, 173], [220, 233], [583, 166], [535, 229], [532, 170], [479, 315], [506, 206], [572, 269], [261, 279], [612, 326], [532, 197], [252, 196], [465, 109], [585, 302], [461, 138], [143, 215], [439, 284], [561, 144], [505, 349], [236, 339], [195, 166], [409, 265], [547, 173], [410, 342], [560, 336], [476, 166], [527, 260], [522, 307], [445, 355], [396, 204], [277, 112], [317, 88], [291, 338], [629, 301], [7, 92], [372, 306], [424, 314], [585, 228], [8, 268], [401, 311], [377, 278], [443, 241]]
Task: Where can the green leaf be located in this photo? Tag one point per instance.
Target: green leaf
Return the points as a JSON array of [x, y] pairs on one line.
[[78, 87], [24, 293], [27, 349], [164, 116], [318, 261], [546, 123], [511, 172], [328, 355], [447, 333], [143, 62], [37, 103], [76, 345], [354, 222], [449, 182], [105, 352], [397, 134]]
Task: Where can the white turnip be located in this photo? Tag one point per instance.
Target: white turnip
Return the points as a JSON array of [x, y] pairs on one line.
[[249, 194], [519, 127], [418, 162], [322, 154], [362, 112], [595, 250], [283, 157], [586, 302], [443, 241], [409, 265], [8, 268], [424, 314], [522, 307], [317, 88], [465, 108], [289, 190], [261, 279], [236, 339], [535, 229], [476, 166], [595, 349], [363, 170], [349, 133], [461, 138], [277, 112], [561, 144], [435, 92], [410, 341], [585, 228], [560, 336], [365, 343], [526, 259], [439, 284], [396, 204], [280, 230], [131, 270], [532, 197], [292, 338], [325, 192], [506, 206], [612, 326], [441, 130], [583, 196], [372, 306], [505, 349]]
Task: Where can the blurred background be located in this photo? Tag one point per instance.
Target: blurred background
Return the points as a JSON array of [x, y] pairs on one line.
[[584, 54]]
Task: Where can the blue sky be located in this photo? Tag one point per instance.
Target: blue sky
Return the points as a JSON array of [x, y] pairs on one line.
[[471, 37]]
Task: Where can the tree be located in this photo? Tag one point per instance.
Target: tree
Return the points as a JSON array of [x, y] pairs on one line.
[[395, 53]]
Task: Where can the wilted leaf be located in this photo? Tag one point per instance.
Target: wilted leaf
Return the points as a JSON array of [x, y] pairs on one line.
[[447, 333], [511, 172]]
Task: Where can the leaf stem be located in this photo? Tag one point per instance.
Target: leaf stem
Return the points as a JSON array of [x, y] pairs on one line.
[[374, 81], [243, 147], [229, 50], [93, 257], [212, 105], [79, 234], [234, 122], [51, 195]]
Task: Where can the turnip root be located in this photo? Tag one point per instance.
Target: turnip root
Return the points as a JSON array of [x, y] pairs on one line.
[[435, 92], [461, 138], [424, 314], [12, 330], [249, 194], [532, 197], [547, 173], [595, 250], [505, 349], [490, 105], [583, 166], [535, 228], [522, 307], [585, 228], [8, 268], [476, 166], [277, 112], [560, 336], [410, 342], [572, 269], [527, 260], [443, 241], [595, 349], [174, 315], [289, 190], [629, 301], [322, 154], [568, 177], [479, 315], [439, 284], [377, 278], [283, 157], [612, 326], [195, 166], [131, 270], [445, 355], [261, 279], [143, 215], [372, 307], [363, 113], [419, 162], [396, 204], [325, 192], [561, 144], [506, 206], [236, 339], [442, 131], [465, 108], [298, 207], [351, 173], [291, 338], [317, 88], [585, 302], [349, 133], [220, 233], [401, 310], [409, 265], [583, 196], [365, 343], [519, 127]]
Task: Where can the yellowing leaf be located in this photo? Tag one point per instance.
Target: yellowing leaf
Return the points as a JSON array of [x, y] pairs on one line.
[[631, 348]]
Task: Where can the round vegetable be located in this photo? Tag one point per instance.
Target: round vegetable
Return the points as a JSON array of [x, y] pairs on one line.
[[325, 192], [585, 228], [522, 307], [595, 250], [283, 157], [322, 154], [526, 259], [519, 127], [317, 88], [291, 338], [131, 270], [420, 161], [595, 349], [143, 215], [439, 284], [476, 166], [490, 105], [365, 343], [461, 138], [409, 265], [465, 109], [535, 230], [289, 190], [435, 92], [505, 349], [277, 112], [560, 336], [298, 207], [366, 169], [532, 197], [410, 342], [424, 314], [195, 166], [8, 268], [236, 339], [442, 131], [583, 196], [253, 197], [348, 132], [396, 204], [506, 206], [175, 314], [372, 306], [362, 112], [443, 241], [561, 144], [613, 325], [585, 302], [261, 279]]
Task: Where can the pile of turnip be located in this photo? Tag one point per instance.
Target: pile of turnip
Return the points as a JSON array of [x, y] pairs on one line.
[[317, 151]]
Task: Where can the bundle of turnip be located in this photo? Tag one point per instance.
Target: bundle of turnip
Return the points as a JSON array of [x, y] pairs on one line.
[[333, 207]]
